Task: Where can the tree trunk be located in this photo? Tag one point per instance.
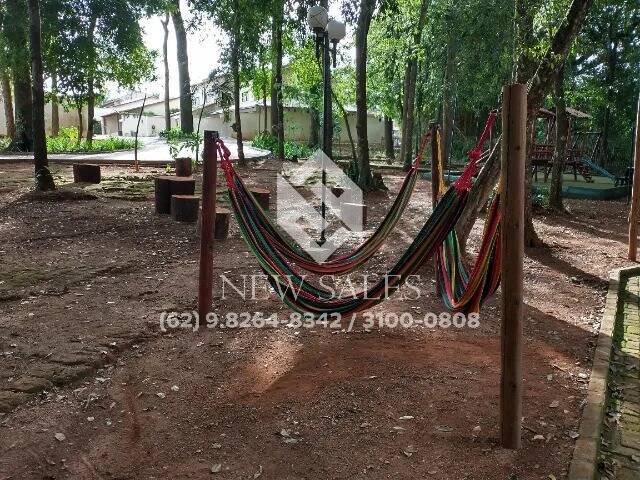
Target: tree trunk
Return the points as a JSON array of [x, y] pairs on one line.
[[235, 72], [165, 61], [365, 180], [43, 178], [447, 103], [388, 139], [15, 30], [264, 99], [408, 103], [541, 74], [7, 98], [91, 104], [562, 131], [55, 108], [314, 127], [80, 126], [91, 96], [186, 105], [277, 110]]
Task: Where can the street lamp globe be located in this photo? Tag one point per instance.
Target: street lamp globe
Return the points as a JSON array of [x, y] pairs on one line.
[[317, 17], [336, 30]]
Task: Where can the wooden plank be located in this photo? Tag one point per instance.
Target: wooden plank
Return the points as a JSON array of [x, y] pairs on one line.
[[514, 121]]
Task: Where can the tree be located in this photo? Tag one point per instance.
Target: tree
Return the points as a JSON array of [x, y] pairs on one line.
[[15, 26], [7, 100], [539, 73], [560, 153], [97, 41], [43, 178], [165, 62], [411, 73], [365, 179], [277, 107], [186, 104]]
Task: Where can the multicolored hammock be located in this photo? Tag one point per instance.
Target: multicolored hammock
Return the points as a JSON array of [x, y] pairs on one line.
[[334, 265], [463, 290], [305, 297]]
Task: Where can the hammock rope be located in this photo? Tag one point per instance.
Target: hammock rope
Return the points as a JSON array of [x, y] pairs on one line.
[[462, 289]]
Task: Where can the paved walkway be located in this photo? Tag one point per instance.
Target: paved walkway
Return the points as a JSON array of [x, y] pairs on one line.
[[620, 447], [154, 151]]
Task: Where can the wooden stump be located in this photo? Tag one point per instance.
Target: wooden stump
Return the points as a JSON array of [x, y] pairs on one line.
[[220, 224], [86, 173], [183, 167], [262, 196], [221, 231], [351, 211], [185, 208], [166, 186]]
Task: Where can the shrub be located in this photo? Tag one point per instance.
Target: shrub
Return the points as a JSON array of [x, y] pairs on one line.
[[67, 142], [292, 149]]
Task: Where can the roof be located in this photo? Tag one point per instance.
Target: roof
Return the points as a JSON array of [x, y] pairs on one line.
[[134, 105], [544, 113]]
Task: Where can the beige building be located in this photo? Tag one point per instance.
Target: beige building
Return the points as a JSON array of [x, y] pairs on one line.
[[121, 117], [66, 118]]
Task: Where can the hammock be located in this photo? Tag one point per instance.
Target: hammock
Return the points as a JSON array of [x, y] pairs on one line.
[[302, 296], [460, 289], [339, 264]]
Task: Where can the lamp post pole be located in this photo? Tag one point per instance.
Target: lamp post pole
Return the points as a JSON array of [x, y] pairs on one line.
[[327, 35], [327, 127]]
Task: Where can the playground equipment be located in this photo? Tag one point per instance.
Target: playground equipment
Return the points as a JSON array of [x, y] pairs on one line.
[[584, 152], [276, 259]]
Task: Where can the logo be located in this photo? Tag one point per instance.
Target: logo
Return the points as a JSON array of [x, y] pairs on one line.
[[299, 199]]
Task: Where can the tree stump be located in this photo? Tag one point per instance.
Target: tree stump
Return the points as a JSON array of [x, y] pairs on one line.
[[86, 173], [166, 186], [185, 208], [221, 231], [262, 196], [351, 213], [183, 167], [220, 224]]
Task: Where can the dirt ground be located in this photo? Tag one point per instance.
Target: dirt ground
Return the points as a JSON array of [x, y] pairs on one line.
[[91, 388]]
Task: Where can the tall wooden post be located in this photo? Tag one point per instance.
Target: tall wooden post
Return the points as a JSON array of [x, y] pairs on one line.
[[635, 193], [514, 126], [209, 176]]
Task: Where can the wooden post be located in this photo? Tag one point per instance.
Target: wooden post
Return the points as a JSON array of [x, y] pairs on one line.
[[514, 139], [209, 177], [635, 193]]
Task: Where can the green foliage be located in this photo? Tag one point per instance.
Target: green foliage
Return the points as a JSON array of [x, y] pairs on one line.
[[292, 149], [181, 143], [67, 142]]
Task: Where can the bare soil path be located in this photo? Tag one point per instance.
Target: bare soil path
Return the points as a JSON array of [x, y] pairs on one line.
[[91, 388]]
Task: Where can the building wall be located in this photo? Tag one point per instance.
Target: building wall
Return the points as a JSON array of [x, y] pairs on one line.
[[66, 118]]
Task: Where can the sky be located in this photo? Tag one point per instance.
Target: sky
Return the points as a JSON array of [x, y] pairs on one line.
[[204, 44]]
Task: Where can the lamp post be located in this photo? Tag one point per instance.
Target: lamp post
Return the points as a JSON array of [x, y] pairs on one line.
[[327, 35]]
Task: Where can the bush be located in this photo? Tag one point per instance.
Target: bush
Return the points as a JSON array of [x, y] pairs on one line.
[[292, 149], [67, 142]]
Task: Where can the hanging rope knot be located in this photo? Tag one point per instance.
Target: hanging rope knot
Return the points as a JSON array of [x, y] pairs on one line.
[[225, 163]]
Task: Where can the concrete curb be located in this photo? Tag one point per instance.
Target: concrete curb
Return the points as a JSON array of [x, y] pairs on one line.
[[584, 464]]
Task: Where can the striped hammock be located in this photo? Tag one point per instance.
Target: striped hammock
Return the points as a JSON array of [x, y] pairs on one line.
[[463, 289], [303, 296]]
